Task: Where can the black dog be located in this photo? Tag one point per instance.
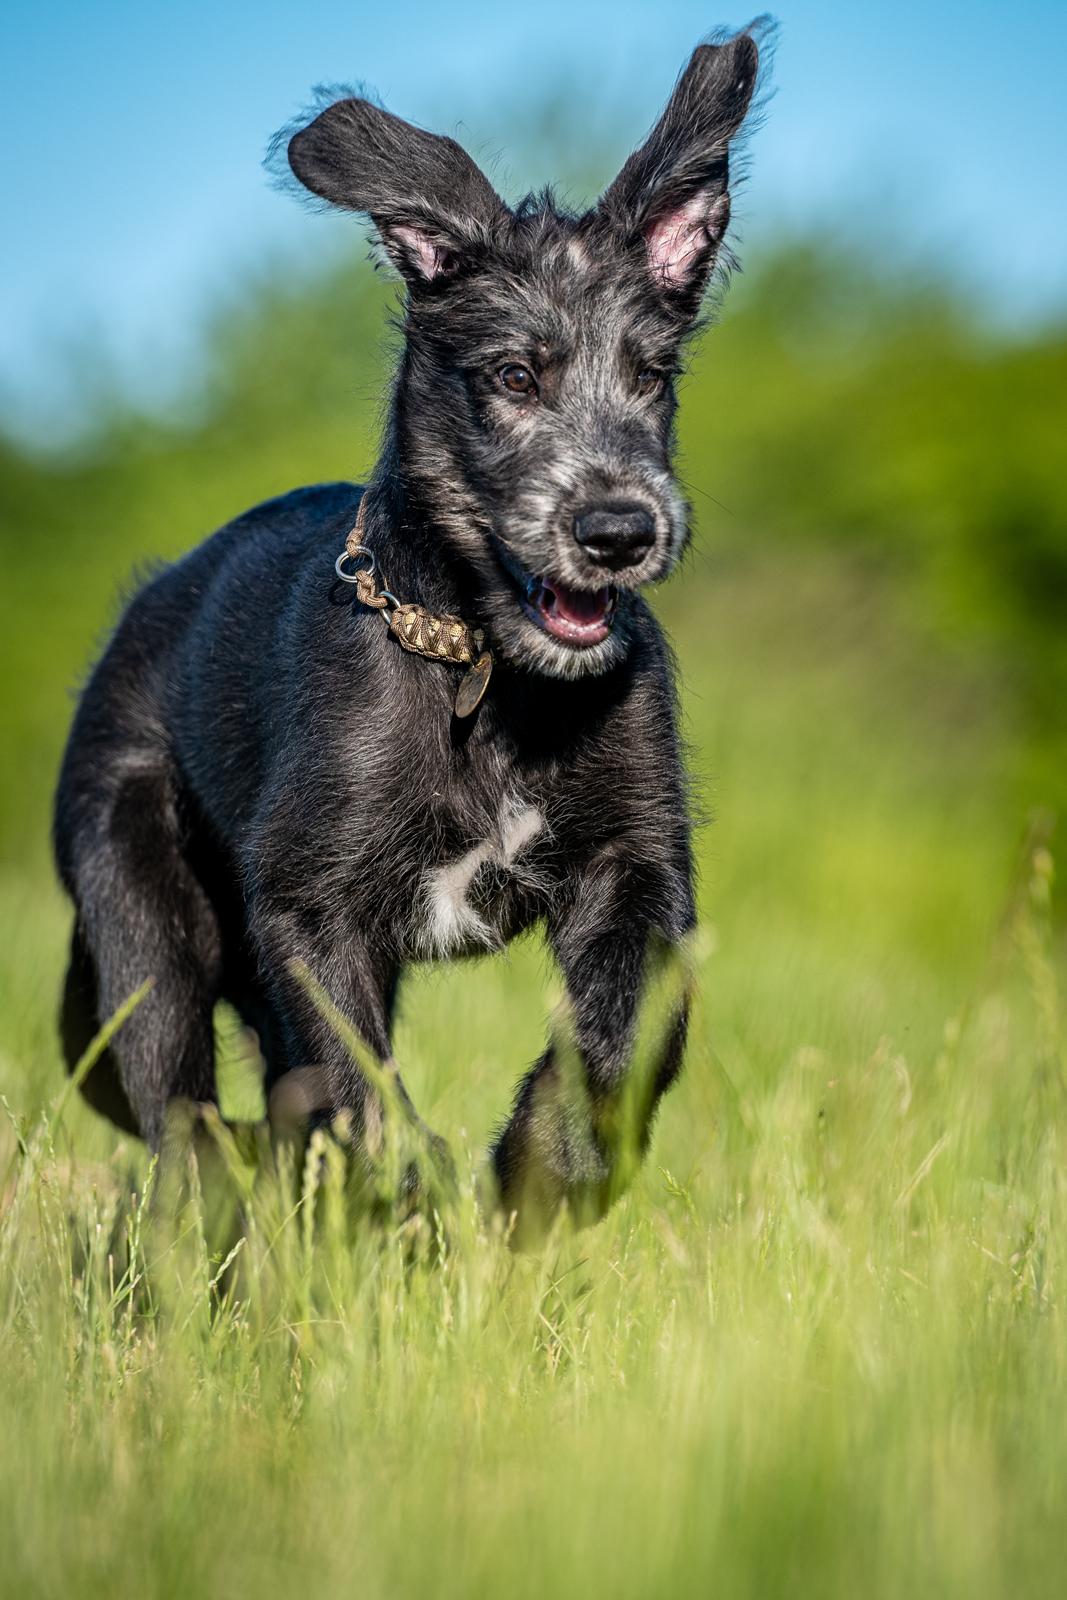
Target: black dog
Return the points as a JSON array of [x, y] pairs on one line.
[[264, 776]]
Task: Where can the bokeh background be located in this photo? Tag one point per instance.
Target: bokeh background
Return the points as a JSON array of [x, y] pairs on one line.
[[872, 625], [819, 1348]]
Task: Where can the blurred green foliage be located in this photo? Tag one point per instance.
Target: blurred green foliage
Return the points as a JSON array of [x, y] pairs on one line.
[[879, 416], [839, 410], [819, 1349]]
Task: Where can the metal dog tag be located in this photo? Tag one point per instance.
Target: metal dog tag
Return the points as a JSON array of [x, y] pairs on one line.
[[473, 684]]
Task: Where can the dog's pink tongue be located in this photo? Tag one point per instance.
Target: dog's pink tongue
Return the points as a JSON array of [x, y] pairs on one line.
[[580, 606]]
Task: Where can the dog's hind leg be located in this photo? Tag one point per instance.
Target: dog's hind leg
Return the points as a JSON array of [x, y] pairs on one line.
[[79, 1024], [142, 914]]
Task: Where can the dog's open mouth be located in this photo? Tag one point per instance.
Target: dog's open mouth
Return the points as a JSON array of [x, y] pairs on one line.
[[580, 618], [577, 616]]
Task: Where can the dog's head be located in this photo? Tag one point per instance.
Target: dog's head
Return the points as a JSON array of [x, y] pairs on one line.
[[535, 402]]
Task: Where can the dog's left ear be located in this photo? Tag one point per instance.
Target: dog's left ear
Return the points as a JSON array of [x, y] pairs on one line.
[[673, 193], [432, 206]]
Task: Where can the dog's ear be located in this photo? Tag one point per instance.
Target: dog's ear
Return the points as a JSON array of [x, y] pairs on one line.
[[428, 200], [673, 193]]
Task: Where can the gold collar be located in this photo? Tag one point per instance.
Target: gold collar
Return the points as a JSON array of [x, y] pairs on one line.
[[438, 637]]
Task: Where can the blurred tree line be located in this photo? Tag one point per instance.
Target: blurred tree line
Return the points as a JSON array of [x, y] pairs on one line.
[[881, 416], [872, 418]]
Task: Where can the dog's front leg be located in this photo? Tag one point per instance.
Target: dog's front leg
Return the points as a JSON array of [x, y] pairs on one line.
[[583, 1115], [333, 1001], [323, 981]]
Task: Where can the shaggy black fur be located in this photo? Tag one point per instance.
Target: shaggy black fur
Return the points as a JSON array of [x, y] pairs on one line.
[[258, 775]]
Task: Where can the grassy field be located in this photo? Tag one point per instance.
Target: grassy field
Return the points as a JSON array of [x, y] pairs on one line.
[[818, 1349]]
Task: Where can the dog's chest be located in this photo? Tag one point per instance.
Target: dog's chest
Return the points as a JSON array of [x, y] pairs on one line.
[[480, 895]]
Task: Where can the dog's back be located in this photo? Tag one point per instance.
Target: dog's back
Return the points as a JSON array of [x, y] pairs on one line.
[[181, 691]]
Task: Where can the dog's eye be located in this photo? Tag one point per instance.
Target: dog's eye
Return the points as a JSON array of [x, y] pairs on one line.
[[518, 380], [649, 382]]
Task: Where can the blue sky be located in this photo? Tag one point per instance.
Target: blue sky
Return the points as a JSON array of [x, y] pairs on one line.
[[133, 133]]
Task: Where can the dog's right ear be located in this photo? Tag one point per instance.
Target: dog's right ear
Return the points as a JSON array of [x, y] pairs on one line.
[[673, 193], [430, 203]]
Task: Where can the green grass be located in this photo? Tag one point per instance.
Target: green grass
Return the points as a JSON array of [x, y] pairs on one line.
[[817, 1349]]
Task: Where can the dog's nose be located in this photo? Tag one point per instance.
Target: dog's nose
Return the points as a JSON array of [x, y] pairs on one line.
[[615, 536]]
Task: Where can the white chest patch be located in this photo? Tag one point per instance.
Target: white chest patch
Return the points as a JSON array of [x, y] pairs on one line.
[[448, 922]]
